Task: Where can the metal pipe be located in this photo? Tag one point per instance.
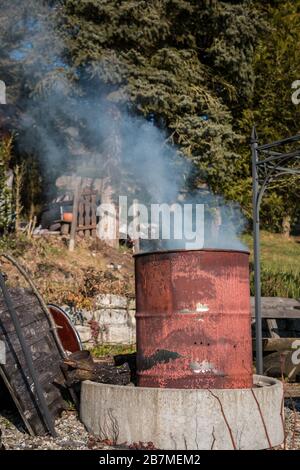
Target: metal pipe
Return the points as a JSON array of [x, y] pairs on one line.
[[280, 157], [275, 165], [28, 357], [277, 143], [256, 245]]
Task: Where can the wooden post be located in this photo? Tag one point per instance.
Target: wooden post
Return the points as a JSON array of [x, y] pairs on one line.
[[87, 215], [75, 215], [81, 216], [93, 214]]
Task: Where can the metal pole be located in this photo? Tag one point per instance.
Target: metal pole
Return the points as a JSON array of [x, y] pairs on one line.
[[256, 244], [41, 401]]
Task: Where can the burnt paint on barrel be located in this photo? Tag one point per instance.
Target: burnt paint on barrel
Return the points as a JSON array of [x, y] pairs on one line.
[[193, 319]]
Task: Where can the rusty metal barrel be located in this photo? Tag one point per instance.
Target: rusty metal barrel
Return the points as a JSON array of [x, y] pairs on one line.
[[193, 319]]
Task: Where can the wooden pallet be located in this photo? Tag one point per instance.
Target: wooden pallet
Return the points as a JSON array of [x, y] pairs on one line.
[[46, 357], [87, 209]]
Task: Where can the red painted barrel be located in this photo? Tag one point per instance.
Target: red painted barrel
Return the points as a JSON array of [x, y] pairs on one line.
[[193, 319]]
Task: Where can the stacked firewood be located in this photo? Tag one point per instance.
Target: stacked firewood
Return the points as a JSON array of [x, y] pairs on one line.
[[81, 366]]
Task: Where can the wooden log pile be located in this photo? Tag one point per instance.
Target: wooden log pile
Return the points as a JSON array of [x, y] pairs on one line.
[[81, 366]]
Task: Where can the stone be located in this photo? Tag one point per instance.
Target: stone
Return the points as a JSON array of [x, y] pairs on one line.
[[111, 316], [131, 321], [131, 304], [117, 325], [111, 300], [85, 333], [118, 334], [88, 315], [186, 419]]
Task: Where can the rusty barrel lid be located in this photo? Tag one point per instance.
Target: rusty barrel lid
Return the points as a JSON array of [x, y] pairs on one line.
[[66, 331]]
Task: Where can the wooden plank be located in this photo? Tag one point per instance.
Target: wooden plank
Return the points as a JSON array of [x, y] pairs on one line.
[[26, 322], [273, 328], [75, 216], [93, 214], [86, 227], [17, 403], [87, 215], [278, 307], [80, 218], [277, 344], [45, 355]]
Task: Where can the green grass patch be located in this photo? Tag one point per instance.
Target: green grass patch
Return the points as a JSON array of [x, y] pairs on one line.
[[280, 265], [103, 350]]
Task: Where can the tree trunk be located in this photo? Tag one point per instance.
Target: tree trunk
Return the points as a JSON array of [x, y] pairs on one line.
[[286, 226]]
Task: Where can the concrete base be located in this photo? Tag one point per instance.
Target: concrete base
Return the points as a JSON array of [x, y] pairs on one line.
[[186, 419]]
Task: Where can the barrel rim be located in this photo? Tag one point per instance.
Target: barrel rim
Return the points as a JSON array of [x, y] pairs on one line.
[[180, 250]]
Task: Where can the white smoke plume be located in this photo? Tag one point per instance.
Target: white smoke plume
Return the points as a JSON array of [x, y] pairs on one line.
[[91, 135]]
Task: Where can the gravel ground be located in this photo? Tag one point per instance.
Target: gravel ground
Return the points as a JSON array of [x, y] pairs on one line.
[[72, 435], [292, 419]]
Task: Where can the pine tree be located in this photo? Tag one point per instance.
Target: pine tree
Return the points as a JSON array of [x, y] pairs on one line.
[[177, 60], [204, 72], [276, 67]]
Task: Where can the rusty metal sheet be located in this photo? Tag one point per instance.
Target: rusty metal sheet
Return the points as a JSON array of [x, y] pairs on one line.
[[193, 319]]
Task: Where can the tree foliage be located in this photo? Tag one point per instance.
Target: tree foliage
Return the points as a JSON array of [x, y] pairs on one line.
[[204, 72], [276, 67], [181, 61]]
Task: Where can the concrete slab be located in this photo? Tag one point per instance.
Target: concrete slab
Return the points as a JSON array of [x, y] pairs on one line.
[[186, 419]]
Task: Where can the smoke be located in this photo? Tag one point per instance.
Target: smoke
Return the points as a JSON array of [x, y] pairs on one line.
[[78, 128]]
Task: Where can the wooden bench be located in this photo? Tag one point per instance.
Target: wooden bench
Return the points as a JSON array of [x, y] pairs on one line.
[[278, 308], [277, 348], [275, 308]]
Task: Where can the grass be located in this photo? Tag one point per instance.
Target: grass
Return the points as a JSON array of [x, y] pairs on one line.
[[103, 350], [280, 265]]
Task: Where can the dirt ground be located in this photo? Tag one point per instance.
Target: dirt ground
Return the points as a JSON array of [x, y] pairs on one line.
[[77, 277]]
